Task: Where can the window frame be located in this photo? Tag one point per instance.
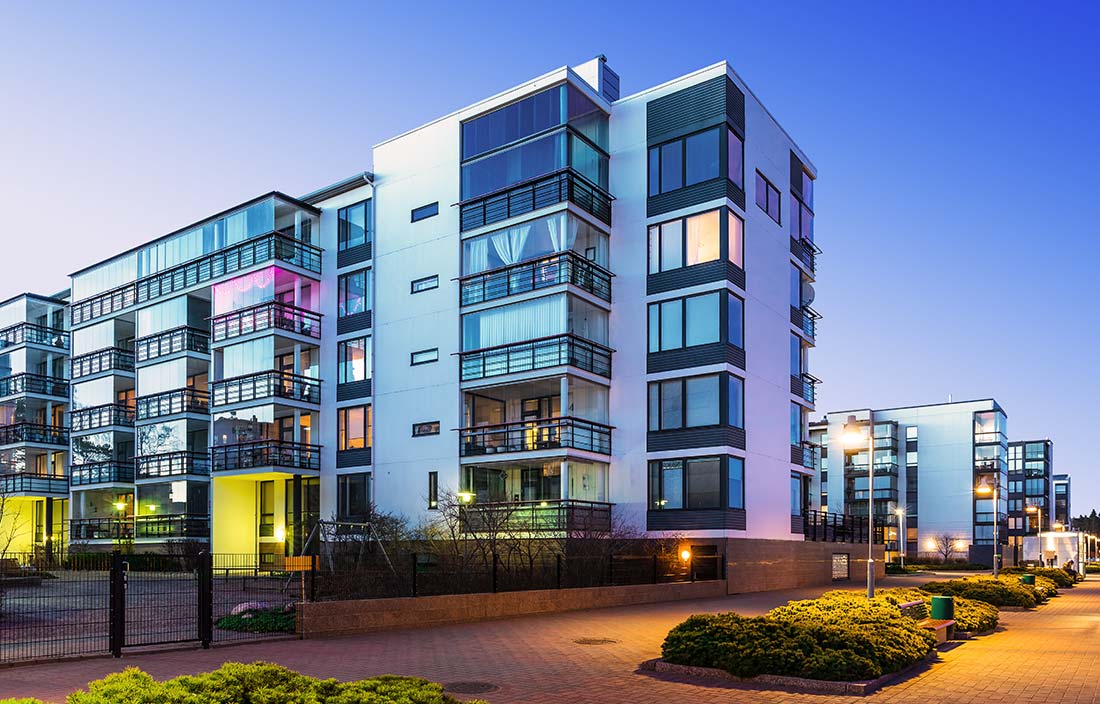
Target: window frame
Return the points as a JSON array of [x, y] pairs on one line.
[[724, 380], [656, 493], [655, 229], [433, 491], [658, 150], [769, 188], [723, 322], [341, 361], [368, 229], [425, 428], [432, 281], [342, 291], [413, 355], [424, 212], [342, 492], [342, 427]]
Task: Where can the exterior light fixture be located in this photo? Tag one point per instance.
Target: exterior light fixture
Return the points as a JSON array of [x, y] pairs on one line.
[[280, 534], [152, 508], [685, 554], [986, 489], [853, 438], [120, 506], [465, 497]]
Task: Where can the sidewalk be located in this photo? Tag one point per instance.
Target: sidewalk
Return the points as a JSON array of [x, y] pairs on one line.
[[1050, 655]]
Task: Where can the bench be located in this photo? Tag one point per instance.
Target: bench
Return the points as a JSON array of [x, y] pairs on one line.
[[944, 629]]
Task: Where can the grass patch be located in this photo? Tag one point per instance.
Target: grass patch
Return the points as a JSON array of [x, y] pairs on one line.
[[259, 621]]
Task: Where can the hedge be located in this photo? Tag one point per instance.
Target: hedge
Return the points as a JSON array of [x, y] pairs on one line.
[[970, 614], [1059, 576], [234, 683], [259, 621], [1006, 590]]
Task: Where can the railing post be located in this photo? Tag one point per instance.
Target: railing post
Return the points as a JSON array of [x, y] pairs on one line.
[[495, 561], [413, 574], [116, 634], [313, 579], [206, 598], [558, 569]]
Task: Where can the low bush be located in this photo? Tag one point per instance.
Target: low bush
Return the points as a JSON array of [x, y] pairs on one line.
[[234, 683], [1092, 569], [949, 566], [970, 614], [1007, 590], [259, 621], [1059, 576]]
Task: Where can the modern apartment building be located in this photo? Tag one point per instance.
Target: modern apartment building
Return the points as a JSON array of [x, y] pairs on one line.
[[560, 303], [1030, 492], [1062, 510]]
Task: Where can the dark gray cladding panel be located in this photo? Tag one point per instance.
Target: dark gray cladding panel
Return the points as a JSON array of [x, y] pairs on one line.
[[355, 389], [688, 438], [697, 519], [694, 108], [353, 458], [685, 197]]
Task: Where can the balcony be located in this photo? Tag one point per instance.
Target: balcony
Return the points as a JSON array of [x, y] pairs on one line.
[[266, 316], [266, 384], [263, 454], [560, 187], [100, 529], [101, 417], [18, 433], [182, 339], [834, 528], [805, 386], [102, 473], [179, 526], [21, 333], [804, 454], [273, 246], [806, 252], [535, 435], [554, 516], [564, 268], [112, 359], [172, 464], [167, 403], [35, 484], [543, 353], [805, 319], [27, 383]]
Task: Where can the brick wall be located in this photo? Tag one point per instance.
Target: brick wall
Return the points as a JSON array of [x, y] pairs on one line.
[[764, 565]]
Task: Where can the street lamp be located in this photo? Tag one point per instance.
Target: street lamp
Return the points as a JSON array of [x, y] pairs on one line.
[[983, 489], [902, 538], [1039, 530], [852, 438]]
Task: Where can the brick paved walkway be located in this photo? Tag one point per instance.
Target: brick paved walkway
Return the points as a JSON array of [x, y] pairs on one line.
[[1050, 655]]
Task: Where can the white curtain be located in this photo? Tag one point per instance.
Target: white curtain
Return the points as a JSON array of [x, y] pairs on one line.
[[236, 226], [539, 317], [563, 231], [509, 243], [477, 255]]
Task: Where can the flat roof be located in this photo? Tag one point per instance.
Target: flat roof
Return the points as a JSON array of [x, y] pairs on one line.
[[47, 299], [996, 406], [357, 180]]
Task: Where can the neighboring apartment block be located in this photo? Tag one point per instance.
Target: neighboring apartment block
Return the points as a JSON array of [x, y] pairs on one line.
[[1062, 511], [559, 303], [1030, 492]]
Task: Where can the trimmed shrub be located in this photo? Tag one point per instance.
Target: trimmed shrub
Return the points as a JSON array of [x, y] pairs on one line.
[[1059, 576], [970, 614], [1007, 590]]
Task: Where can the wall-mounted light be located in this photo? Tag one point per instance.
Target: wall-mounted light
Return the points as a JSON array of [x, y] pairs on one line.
[[685, 554], [280, 534], [120, 506], [465, 497]]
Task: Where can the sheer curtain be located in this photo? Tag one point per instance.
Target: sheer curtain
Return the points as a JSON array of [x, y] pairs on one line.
[[530, 320], [477, 255], [509, 243], [563, 231]]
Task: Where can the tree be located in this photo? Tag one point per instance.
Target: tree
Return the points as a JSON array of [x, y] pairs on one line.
[[945, 545], [1087, 524]]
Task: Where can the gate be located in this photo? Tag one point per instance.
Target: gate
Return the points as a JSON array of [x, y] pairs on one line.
[[159, 600]]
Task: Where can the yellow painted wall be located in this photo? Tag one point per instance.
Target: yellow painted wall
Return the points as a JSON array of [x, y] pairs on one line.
[[17, 525], [234, 520]]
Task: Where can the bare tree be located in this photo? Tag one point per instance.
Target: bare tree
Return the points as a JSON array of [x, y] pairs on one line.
[[945, 545]]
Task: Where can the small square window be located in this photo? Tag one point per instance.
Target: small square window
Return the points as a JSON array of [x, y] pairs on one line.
[[425, 284], [424, 356], [425, 211], [430, 427]]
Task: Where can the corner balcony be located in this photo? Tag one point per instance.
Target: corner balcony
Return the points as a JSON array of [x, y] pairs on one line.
[[27, 383], [29, 333], [274, 246], [172, 464], [111, 359], [100, 529], [34, 433], [535, 435], [265, 385], [174, 402], [174, 341], [543, 353], [805, 251], [804, 455], [543, 192], [565, 268], [805, 319], [272, 315], [266, 456], [31, 484], [113, 472], [805, 387], [558, 516], [105, 416], [170, 527]]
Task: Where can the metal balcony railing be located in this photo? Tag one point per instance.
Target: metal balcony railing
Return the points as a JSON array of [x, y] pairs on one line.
[[171, 341], [836, 528], [806, 252], [101, 417], [101, 529], [522, 198], [273, 246], [33, 433], [166, 403], [101, 473], [172, 464], [265, 453], [564, 268], [552, 516], [805, 386], [535, 435], [178, 526], [35, 334], [265, 384], [543, 353], [32, 483], [805, 318], [266, 316], [28, 383], [111, 359], [804, 454]]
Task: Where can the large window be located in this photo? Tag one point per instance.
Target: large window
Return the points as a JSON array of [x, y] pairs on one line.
[[694, 240], [796, 424], [735, 321], [798, 494], [735, 496], [541, 237], [685, 322], [354, 293], [354, 428], [767, 197], [801, 223], [533, 319], [353, 499], [796, 356], [529, 160], [354, 225], [353, 359], [735, 156], [685, 162], [695, 402], [696, 483]]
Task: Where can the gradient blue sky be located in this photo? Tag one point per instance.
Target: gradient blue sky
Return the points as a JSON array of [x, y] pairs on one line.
[[956, 143]]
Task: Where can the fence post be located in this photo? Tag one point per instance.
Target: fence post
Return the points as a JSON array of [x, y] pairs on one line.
[[691, 566], [558, 567], [725, 566], [494, 572], [611, 570], [313, 579], [655, 569], [414, 574], [206, 598], [116, 634]]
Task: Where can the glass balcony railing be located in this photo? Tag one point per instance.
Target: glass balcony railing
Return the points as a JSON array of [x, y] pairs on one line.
[[535, 435], [186, 400], [112, 359], [263, 454], [172, 464], [101, 417], [265, 384], [266, 316], [170, 342], [805, 386], [31, 483], [101, 529], [805, 318], [178, 526], [27, 383], [528, 356], [34, 334], [18, 433], [101, 473], [529, 196], [565, 268], [553, 516], [273, 246]]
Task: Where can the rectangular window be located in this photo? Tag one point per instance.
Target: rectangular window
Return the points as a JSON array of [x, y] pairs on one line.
[[693, 240], [354, 428], [684, 322], [704, 482], [801, 221], [424, 356], [433, 490], [735, 155], [767, 197], [735, 414], [425, 284], [736, 481], [425, 211], [796, 356], [686, 162], [353, 225], [796, 425], [353, 499], [267, 508], [353, 293], [428, 428], [696, 483], [798, 504], [694, 402], [735, 322], [353, 359], [736, 239]]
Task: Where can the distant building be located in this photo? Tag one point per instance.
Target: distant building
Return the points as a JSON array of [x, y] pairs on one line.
[[1063, 513], [1030, 492]]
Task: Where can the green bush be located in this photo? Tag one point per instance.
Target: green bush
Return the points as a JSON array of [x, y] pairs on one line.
[[970, 614], [1007, 590], [1059, 576], [950, 566], [259, 621], [259, 682]]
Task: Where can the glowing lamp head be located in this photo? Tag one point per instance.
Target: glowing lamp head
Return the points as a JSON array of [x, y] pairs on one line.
[[984, 488], [685, 554], [852, 436], [1058, 525], [280, 534], [120, 506], [1032, 509], [465, 497]]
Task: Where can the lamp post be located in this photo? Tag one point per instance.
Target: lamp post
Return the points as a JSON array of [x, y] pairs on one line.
[[1038, 530], [983, 489], [902, 539], [852, 438]]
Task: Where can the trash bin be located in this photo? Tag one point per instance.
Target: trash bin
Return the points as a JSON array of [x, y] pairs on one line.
[[1027, 579], [943, 608]]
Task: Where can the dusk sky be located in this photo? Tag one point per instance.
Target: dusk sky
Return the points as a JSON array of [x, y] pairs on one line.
[[956, 145]]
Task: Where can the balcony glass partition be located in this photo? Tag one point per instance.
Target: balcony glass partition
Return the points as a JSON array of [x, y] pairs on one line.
[[533, 239], [532, 320], [529, 160]]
